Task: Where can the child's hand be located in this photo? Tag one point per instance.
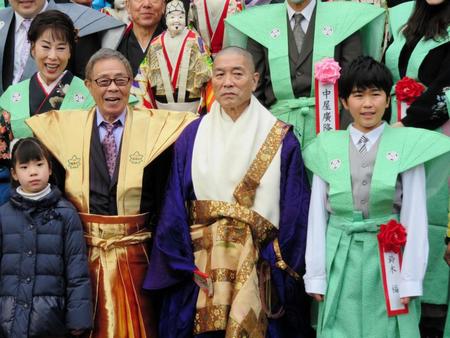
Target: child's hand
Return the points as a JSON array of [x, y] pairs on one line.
[[405, 300], [76, 332], [317, 297]]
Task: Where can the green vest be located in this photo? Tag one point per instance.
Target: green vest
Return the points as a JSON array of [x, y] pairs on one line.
[[411, 146], [16, 101]]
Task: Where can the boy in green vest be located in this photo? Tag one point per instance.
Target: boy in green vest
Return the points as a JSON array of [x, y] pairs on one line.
[[366, 176]]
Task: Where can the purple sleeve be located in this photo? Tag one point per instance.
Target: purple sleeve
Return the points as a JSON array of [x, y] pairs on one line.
[[294, 205]]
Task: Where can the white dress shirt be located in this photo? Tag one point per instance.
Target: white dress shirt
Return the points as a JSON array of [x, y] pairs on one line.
[[307, 14], [413, 216], [20, 39]]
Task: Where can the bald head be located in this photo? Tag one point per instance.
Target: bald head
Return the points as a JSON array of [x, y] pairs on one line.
[[233, 50], [234, 79]]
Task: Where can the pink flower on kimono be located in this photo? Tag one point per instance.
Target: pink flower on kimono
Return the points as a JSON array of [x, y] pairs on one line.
[[327, 71]]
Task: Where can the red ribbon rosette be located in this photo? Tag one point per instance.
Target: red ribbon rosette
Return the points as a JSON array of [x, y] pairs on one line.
[[408, 90], [392, 236]]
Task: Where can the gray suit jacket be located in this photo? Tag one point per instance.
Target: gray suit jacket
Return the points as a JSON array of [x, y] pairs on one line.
[[300, 64], [95, 30]]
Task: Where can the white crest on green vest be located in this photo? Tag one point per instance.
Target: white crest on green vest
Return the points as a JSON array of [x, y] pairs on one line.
[[392, 156], [16, 97], [335, 164], [78, 98], [275, 33], [327, 30]]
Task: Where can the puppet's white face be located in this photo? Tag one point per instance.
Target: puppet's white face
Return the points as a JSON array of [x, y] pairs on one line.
[[175, 22], [119, 4]]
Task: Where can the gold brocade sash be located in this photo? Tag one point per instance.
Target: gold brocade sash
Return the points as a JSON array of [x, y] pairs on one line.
[[226, 238], [118, 260]]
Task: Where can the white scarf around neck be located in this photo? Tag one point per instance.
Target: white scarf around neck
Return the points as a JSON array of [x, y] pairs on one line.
[[223, 152]]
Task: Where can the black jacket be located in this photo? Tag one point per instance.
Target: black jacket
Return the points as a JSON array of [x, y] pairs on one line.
[[44, 282]]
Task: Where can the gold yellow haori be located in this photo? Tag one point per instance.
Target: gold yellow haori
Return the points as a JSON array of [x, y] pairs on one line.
[[117, 245]]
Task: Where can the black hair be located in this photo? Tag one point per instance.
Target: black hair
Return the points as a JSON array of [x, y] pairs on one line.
[[29, 149], [364, 73], [60, 24], [428, 21]]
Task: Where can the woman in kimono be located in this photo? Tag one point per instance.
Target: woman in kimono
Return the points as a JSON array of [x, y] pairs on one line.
[[421, 50], [52, 37]]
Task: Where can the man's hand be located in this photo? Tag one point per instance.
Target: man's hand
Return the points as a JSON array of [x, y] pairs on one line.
[[317, 297], [447, 255], [405, 300]]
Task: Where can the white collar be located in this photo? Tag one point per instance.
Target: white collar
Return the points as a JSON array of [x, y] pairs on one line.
[[36, 195], [121, 117], [372, 135], [20, 18], [51, 86], [223, 152], [307, 11]]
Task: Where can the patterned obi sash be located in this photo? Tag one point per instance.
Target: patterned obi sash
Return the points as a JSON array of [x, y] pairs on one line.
[[118, 260], [226, 238]]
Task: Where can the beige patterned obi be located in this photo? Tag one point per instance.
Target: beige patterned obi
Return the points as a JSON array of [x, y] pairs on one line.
[[226, 238]]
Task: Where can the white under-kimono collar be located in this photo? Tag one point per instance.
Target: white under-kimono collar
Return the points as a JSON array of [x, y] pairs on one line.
[[223, 152]]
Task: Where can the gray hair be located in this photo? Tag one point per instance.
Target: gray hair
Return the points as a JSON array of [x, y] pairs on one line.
[[106, 54], [240, 51]]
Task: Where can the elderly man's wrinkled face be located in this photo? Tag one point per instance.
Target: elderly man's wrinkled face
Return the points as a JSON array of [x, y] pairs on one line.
[[146, 13], [233, 82], [110, 85], [27, 8]]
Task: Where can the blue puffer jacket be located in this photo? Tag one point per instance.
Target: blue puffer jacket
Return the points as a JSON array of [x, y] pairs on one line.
[[44, 282]]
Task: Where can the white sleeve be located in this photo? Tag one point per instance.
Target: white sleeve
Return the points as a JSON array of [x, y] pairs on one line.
[[315, 277], [413, 216]]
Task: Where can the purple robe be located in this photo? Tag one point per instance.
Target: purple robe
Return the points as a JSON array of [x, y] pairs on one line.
[[172, 258]]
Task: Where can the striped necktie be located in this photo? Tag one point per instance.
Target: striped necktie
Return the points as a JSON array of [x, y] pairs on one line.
[[362, 144]]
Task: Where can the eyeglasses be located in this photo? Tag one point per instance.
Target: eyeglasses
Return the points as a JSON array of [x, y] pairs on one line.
[[106, 82]]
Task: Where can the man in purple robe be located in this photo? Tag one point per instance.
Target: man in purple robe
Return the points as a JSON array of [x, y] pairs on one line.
[[230, 243]]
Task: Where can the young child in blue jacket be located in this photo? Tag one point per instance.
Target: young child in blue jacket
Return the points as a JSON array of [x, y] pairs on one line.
[[44, 281]]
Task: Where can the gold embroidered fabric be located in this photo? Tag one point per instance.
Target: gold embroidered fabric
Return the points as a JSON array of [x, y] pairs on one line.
[[206, 212], [245, 192], [118, 261], [226, 237]]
